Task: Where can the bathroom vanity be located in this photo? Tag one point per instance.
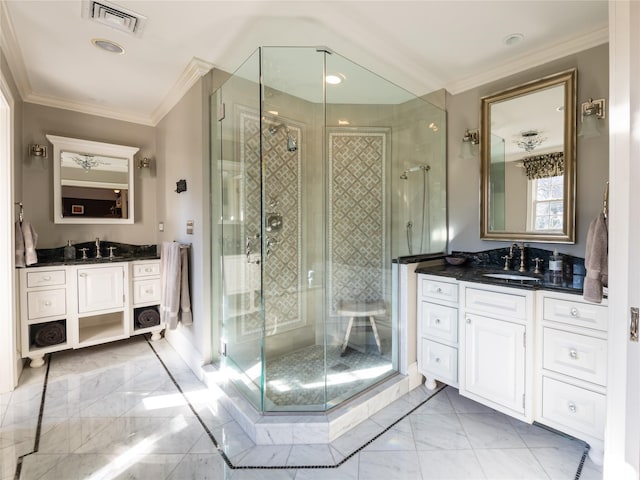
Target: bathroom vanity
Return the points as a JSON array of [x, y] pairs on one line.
[[534, 351], [83, 304]]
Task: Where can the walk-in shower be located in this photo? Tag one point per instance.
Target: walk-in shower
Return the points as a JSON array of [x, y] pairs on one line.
[[312, 187]]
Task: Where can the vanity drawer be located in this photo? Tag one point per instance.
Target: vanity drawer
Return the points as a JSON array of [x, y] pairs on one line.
[[146, 291], [576, 355], [146, 269], [496, 303], [575, 313], [45, 279], [439, 360], [439, 290], [439, 322], [573, 407], [46, 303]]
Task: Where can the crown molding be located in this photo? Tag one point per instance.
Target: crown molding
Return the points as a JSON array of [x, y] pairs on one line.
[[532, 59], [195, 70], [192, 73], [88, 108], [12, 52]]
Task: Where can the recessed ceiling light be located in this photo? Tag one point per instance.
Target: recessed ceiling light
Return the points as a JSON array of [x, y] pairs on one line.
[[107, 45], [512, 39], [273, 112], [343, 122], [334, 79]]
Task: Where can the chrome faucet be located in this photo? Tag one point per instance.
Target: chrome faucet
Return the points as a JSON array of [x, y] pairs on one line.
[[98, 254], [522, 265]]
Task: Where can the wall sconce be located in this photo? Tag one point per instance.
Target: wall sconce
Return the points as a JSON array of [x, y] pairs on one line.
[[144, 163], [38, 151], [590, 112], [470, 138]]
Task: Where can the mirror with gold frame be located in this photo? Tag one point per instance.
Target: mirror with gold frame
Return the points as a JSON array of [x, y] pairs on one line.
[[92, 181], [528, 161]]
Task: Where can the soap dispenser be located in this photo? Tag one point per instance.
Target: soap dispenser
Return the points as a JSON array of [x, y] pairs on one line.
[[69, 251], [555, 263]]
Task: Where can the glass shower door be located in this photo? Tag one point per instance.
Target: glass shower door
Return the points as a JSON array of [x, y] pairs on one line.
[[238, 144]]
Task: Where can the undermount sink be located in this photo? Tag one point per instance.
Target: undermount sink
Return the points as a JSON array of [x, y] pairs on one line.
[[510, 276]]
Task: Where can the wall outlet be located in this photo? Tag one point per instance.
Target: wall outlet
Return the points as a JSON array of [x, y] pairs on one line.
[[189, 227]]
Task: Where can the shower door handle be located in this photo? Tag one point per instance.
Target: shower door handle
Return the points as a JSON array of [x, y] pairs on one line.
[[270, 243]]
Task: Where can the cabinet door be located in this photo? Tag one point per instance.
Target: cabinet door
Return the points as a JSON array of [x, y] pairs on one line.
[[100, 289], [495, 360]]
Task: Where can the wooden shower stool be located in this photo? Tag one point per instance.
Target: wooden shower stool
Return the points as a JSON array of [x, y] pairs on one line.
[[355, 310]]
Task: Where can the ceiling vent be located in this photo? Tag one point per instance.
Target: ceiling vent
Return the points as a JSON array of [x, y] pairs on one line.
[[113, 16]]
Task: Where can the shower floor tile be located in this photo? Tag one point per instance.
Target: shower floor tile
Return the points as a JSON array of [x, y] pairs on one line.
[[155, 428]]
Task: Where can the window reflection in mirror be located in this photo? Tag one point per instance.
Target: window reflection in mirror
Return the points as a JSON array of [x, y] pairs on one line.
[[528, 161]]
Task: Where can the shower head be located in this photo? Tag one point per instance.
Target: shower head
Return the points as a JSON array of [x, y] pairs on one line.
[[416, 168], [292, 144]]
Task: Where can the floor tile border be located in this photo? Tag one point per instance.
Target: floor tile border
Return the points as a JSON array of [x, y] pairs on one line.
[[224, 456]]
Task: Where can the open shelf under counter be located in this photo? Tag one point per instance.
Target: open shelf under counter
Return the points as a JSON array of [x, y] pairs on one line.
[[101, 328]]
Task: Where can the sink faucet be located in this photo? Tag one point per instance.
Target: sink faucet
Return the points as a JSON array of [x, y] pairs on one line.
[[507, 258], [98, 254], [522, 266]]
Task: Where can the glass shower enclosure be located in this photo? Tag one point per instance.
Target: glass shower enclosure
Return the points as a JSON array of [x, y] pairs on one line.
[[318, 167]]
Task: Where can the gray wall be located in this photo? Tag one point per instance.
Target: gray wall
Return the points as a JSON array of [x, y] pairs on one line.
[[592, 153], [182, 152], [36, 176]]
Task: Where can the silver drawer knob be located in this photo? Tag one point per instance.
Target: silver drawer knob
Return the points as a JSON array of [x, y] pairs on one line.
[[574, 312], [437, 359], [572, 407], [82, 274], [147, 269], [438, 290], [46, 278], [573, 353], [468, 320], [47, 303], [437, 321]]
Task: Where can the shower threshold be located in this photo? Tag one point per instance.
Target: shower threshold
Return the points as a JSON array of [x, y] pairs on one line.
[[304, 427]]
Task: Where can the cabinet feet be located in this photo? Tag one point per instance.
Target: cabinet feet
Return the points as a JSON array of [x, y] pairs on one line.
[[155, 336], [430, 383], [36, 361]]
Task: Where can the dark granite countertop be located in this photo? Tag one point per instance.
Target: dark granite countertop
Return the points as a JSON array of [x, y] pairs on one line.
[[48, 257], [568, 283]]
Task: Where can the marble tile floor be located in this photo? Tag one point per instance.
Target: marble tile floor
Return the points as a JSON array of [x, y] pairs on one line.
[[114, 411]]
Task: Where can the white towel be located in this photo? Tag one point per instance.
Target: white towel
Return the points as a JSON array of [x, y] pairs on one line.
[[19, 255], [26, 240], [30, 242], [175, 304], [596, 259]]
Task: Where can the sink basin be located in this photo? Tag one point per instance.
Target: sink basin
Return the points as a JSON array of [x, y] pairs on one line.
[[511, 276]]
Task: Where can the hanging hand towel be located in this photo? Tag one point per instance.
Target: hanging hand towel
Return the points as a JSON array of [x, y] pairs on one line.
[[185, 300], [19, 255], [170, 283], [30, 242], [596, 259]]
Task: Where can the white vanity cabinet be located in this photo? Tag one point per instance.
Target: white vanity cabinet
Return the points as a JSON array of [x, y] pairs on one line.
[[74, 306], [496, 347], [102, 306], [145, 287], [572, 360], [44, 306], [438, 329]]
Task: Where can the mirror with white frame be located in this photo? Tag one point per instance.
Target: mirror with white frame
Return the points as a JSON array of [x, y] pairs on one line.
[[92, 181], [527, 137]]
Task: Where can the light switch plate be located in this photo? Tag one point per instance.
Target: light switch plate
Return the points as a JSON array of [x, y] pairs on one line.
[[161, 227], [189, 227]]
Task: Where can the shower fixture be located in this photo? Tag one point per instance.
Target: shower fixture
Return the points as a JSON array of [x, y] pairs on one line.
[[292, 144], [417, 168]]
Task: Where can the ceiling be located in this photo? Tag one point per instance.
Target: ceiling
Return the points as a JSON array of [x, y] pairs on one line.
[[421, 46]]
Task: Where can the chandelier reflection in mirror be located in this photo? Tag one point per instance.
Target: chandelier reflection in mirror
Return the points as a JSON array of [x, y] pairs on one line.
[[87, 162], [529, 140]]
